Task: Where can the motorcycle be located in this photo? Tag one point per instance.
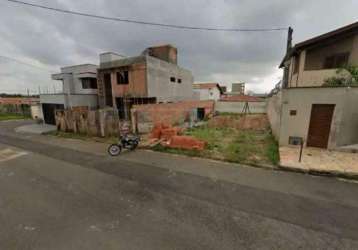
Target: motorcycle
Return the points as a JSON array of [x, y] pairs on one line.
[[129, 142]]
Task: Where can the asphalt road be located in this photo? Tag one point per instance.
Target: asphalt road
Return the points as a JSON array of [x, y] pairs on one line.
[[57, 198]]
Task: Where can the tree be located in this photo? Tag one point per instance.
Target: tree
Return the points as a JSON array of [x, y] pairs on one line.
[[342, 79]]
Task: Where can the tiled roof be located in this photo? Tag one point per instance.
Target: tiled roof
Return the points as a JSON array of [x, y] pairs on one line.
[[18, 100], [205, 85]]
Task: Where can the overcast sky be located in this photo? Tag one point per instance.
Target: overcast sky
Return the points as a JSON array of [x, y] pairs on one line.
[[50, 40]]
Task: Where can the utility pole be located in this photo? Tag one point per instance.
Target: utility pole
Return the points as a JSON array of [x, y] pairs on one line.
[[289, 40], [288, 50]]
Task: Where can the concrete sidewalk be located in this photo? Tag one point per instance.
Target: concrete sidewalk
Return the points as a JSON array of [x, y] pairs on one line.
[[36, 129], [320, 161]]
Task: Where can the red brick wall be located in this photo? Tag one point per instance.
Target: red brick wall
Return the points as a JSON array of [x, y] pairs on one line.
[[166, 52], [137, 82], [137, 86], [18, 100], [170, 113]]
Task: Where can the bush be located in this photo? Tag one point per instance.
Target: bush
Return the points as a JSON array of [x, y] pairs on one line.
[[341, 81]]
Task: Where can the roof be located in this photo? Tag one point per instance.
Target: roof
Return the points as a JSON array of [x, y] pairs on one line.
[[18, 100], [207, 86], [351, 28], [240, 98]]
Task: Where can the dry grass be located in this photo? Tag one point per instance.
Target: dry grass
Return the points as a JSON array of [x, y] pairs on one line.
[[230, 139]]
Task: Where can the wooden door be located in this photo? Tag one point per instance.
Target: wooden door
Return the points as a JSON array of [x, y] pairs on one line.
[[320, 125]]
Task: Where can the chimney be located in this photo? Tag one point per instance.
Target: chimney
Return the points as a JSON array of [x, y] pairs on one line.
[[166, 53]]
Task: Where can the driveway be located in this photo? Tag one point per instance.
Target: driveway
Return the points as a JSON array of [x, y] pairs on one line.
[[54, 197]]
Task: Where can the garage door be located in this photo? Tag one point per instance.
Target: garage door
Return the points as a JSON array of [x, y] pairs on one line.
[[320, 125], [49, 112]]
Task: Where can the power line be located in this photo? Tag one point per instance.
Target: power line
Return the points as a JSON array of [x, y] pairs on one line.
[[117, 19], [24, 63]]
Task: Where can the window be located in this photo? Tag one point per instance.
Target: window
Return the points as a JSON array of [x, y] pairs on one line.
[[293, 112], [172, 79], [296, 64], [336, 61], [179, 80], [122, 77], [89, 83]]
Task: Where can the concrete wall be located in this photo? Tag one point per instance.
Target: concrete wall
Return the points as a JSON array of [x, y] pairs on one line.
[[72, 78], [311, 72], [71, 100], [36, 111], [53, 98], [274, 106], [238, 107], [345, 118], [83, 100], [159, 73], [207, 94]]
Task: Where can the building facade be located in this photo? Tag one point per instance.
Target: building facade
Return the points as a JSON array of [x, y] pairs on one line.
[[238, 88], [207, 91], [309, 110], [152, 77], [313, 61], [79, 89]]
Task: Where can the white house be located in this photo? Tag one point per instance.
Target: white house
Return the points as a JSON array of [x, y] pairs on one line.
[[207, 91], [79, 89]]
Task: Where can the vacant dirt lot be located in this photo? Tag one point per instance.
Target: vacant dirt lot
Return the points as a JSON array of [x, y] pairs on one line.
[[234, 138]]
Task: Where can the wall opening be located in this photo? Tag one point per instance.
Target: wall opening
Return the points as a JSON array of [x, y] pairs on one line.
[[108, 89], [125, 104]]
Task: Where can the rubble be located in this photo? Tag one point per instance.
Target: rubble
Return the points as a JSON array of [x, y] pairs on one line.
[[186, 142], [170, 136]]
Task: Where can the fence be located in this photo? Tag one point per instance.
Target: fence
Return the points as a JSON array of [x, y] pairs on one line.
[[274, 113], [106, 122], [144, 117], [101, 123], [239, 107], [21, 109]]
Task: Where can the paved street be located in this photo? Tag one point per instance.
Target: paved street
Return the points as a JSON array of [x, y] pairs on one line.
[[53, 197]]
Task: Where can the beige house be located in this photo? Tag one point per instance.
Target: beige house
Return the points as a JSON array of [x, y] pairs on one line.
[[320, 116], [312, 61]]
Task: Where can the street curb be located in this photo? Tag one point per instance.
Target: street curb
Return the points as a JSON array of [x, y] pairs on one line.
[[319, 172], [263, 166], [314, 172]]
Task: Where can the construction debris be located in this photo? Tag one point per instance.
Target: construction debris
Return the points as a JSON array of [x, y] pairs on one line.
[[170, 136]]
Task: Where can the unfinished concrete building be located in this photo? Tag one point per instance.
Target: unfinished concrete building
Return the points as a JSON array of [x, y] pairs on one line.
[[79, 90], [152, 77]]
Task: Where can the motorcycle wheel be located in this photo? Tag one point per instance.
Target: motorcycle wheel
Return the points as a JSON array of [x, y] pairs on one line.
[[133, 146], [114, 149]]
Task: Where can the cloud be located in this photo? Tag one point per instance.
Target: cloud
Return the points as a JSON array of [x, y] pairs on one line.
[[52, 40]]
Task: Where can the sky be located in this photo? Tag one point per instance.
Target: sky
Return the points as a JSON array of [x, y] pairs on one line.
[[48, 40]]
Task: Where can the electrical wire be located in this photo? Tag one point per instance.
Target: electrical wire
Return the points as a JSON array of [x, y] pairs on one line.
[[118, 19], [24, 63]]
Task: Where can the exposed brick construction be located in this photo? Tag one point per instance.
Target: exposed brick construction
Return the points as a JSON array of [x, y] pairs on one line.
[[170, 113]]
